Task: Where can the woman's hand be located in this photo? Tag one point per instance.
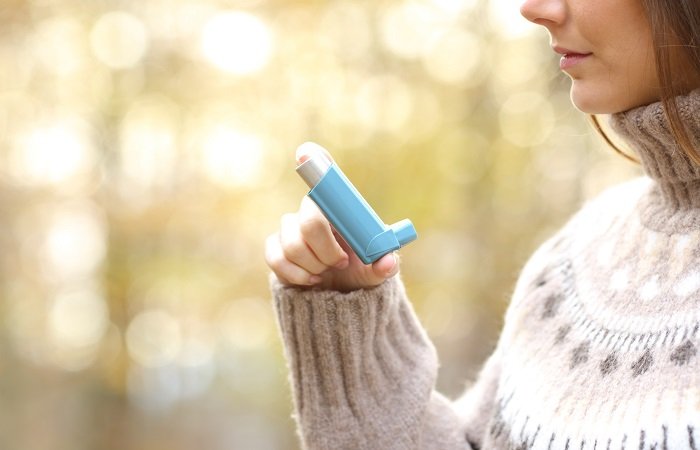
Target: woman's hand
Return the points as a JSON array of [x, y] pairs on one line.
[[307, 251]]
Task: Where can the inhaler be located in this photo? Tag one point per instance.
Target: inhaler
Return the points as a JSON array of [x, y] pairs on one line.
[[347, 211]]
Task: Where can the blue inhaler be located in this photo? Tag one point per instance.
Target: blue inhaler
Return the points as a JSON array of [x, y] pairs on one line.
[[347, 211]]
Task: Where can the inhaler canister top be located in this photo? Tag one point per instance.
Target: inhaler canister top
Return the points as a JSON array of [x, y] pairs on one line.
[[314, 165]]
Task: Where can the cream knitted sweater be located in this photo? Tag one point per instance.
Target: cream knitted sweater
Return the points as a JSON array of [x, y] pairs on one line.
[[599, 348]]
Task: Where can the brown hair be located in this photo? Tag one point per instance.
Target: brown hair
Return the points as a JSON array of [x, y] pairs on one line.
[[675, 27]]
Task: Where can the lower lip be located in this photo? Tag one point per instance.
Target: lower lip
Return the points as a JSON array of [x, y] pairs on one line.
[[568, 61]]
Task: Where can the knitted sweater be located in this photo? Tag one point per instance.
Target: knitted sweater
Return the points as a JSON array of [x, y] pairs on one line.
[[600, 344]]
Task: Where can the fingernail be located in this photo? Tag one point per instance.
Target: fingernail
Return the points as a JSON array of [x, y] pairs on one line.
[[315, 279]]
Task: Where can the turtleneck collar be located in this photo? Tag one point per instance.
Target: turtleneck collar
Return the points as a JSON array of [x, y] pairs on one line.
[[647, 131]]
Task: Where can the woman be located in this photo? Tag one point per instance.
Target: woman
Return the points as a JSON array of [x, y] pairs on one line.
[[600, 343]]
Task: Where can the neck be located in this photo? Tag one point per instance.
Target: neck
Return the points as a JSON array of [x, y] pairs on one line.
[[648, 132]]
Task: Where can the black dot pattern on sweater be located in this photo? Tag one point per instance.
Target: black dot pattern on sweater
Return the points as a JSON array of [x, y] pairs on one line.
[[643, 363], [551, 305], [683, 353], [579, 355], [561, 334], [691, 438], [609, 364], [541, 281]]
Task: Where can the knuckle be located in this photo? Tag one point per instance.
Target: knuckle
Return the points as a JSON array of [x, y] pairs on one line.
[[338, 257], [275, 262], [294, 275], [312, 226], [298, 279], [288, 276], [295, 250]]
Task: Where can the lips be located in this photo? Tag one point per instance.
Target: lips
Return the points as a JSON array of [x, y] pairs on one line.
[[570, 57]]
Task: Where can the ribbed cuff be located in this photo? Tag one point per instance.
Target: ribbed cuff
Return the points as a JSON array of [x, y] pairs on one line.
[[362, 367]]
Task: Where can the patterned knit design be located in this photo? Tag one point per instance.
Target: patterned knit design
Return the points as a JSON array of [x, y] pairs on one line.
[[600, 348], [604, 350]]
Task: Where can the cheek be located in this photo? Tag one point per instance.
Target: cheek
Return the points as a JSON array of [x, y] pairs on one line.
[[620, 33], [638, 68], [627, 66], [623, 73], [639, 45]]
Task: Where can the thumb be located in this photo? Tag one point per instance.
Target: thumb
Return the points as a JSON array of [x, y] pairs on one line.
[[387, 266]]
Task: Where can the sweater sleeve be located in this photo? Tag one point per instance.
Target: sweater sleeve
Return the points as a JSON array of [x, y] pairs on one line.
[[363, 371]]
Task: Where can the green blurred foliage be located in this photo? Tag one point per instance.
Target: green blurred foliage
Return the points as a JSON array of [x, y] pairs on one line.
[[146, 151]]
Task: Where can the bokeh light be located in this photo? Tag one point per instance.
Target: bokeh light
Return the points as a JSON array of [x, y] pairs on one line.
[[58, 45], [346, 26], [232, 158], [153, 338], [409, 27], [149, 143], [75, 243], [237, 42], [505, 19], [384, 103], [52, 153], [119, 39], [455, 6], [78, 320], [147, 151], [455, 58]]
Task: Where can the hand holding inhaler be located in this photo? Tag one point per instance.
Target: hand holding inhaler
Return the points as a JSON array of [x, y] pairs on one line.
[[356, 252], [345, 208]]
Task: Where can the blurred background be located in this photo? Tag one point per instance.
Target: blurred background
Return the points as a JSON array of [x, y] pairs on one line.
[[146, 151]]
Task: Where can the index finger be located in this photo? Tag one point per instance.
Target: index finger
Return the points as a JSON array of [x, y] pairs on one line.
[[318, 235]]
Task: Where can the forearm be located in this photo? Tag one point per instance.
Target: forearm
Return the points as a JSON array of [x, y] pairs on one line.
[[363, 370]]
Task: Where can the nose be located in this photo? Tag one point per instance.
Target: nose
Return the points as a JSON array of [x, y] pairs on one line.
[[544, 12]]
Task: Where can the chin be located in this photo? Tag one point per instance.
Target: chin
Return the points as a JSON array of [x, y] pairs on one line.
[[598, 98], [594, 99]]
